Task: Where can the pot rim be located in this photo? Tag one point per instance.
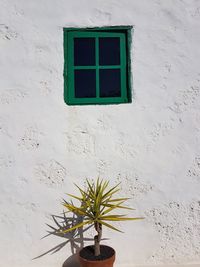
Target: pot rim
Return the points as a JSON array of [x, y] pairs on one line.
[[107, 259]]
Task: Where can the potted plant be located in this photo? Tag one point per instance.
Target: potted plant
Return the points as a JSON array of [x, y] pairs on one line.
[[97, 203]]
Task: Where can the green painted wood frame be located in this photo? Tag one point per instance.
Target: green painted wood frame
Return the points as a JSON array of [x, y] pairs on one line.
[[69, 91]]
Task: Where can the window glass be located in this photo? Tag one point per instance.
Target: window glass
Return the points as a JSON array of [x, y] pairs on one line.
[[109, 51], [84, 51], [110, 83], [85, 83]]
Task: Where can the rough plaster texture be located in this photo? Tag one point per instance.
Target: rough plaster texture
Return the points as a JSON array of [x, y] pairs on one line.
[[152, 145]]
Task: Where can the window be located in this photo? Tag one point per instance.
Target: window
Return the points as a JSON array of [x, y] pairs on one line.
[[97, 65]]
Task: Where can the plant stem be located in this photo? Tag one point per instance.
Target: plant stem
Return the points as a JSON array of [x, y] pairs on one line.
[[97, 238]]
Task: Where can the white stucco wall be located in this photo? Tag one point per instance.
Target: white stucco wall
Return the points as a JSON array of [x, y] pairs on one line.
[[151, 145]]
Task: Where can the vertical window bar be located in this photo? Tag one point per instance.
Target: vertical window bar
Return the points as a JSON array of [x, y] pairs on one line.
[[123, 68], [97, 66], [70, 71]]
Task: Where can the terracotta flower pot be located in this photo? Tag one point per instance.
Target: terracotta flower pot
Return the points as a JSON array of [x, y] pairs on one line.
[[106, 259]]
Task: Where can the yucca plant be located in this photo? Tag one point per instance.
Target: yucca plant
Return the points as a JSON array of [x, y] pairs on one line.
[[97, 203]]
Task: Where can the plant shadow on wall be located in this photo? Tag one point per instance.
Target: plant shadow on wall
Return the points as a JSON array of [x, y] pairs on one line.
[[74, 238], [96, 209]]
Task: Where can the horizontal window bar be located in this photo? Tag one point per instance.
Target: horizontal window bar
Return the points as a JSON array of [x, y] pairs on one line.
[[84, 67], [97, 67], [110, 67]]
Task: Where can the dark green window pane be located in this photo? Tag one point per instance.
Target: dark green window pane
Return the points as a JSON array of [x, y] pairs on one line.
[[110, 82], [85, 83], [109, 51], [84, 51]]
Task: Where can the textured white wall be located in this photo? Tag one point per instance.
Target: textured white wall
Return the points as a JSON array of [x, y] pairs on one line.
[[152, 145]]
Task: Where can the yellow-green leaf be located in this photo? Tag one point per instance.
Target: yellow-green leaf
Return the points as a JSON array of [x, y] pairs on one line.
[[110, 193], [111, 218], [79, 198], [118, 206], [109, 226], [75, 209], [111, 207], [76, 226], [119, 199]]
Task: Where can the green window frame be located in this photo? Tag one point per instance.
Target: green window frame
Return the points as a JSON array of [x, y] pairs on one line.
[[124, 35]]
